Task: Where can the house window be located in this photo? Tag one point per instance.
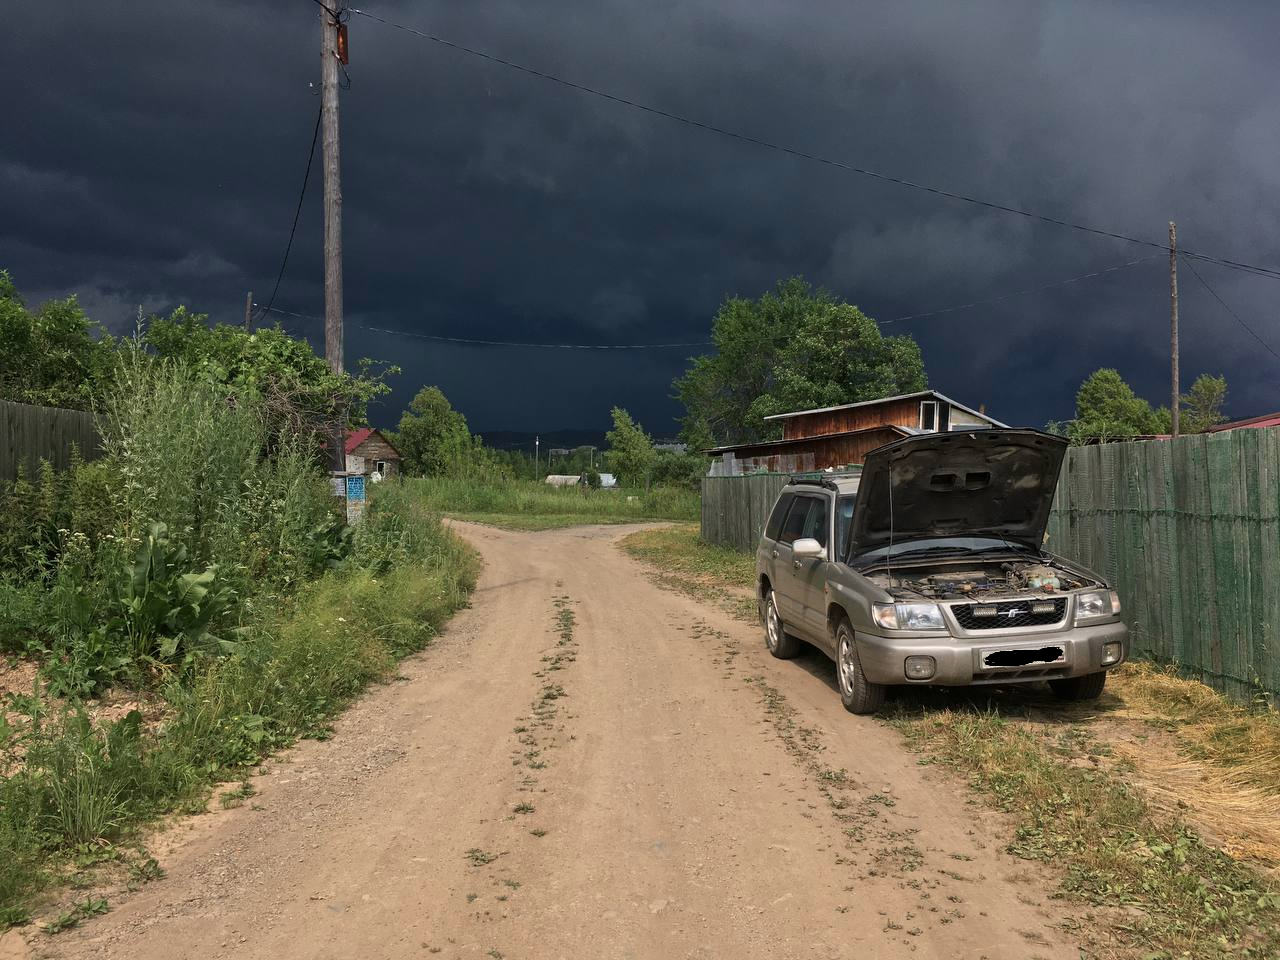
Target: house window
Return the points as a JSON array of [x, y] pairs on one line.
[[380, 466], [928, 415], [935, 416]]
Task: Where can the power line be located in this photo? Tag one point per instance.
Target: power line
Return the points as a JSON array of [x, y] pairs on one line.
[[328, 9], [1266, 346], [503, 343], [708, 343], [296, 213], [805, 155], [1020, 293]]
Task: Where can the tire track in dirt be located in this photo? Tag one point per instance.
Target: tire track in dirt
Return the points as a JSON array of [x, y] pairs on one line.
[[690, 797]]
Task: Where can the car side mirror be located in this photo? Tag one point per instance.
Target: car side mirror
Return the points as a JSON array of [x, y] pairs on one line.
[[807, 548]]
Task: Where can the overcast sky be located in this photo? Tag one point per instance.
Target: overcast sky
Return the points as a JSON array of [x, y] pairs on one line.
[[152, 155]]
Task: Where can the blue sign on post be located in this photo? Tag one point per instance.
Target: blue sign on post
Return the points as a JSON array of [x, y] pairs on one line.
[[355, 488]]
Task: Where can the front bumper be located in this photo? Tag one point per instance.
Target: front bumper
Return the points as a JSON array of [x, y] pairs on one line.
[[960, 662]]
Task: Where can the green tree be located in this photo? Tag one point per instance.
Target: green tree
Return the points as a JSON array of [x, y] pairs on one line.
[[54, 356], [631, 454], [293, 382], [1202, 404], [792, 349], [1107, 408], [433, 437]]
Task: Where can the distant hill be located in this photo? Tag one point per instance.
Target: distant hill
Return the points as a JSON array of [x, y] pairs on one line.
[[517, 440]]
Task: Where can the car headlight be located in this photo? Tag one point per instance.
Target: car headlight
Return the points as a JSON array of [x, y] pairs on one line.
[[907, 616], [1097, 604]]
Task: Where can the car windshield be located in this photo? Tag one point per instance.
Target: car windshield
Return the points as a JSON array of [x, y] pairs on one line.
[[937, 546]]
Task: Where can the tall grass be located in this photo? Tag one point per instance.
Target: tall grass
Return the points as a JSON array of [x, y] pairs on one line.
[[219, 575], [480, 498], [65, 781]]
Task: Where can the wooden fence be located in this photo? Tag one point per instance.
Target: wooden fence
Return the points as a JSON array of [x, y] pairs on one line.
[[30, 434], [734, 509], [1188, 531]]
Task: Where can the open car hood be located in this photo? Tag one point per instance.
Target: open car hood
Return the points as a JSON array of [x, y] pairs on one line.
[[979, 483]]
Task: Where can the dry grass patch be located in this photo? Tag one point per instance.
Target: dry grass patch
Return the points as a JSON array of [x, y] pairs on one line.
[[1180, 896]]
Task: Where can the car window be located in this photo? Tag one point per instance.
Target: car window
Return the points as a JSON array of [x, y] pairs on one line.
[[815, 522], [774, 526], [793, 526], [844, 516]]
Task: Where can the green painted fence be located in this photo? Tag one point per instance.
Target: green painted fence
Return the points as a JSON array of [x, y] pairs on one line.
[[1189, 532], [29, 434]]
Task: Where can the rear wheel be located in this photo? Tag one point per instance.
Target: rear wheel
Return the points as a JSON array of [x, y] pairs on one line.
[[857, 693], [1088, 687], [781, 644]]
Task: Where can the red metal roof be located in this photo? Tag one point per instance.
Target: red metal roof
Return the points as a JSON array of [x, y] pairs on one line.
[[1266, 420], [357, 437]]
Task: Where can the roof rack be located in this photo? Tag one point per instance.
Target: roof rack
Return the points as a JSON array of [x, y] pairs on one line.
[[827, 482]]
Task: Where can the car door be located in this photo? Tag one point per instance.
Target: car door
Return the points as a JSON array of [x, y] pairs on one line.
[[810, 573], [767, 552], [785, 588]]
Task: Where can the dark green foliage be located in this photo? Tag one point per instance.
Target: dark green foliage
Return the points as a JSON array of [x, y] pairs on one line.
[[296, 386], [1108, 409], [792, 349], [433, 437], [54, 356], [631, 455]]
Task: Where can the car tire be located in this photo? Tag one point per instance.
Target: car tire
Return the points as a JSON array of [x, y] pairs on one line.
[[857, 693], [1088, 687], [780, 643]]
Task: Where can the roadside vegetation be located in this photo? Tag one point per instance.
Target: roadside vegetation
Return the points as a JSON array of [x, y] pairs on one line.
[[191, 601], [1080, 802], [533, 505]]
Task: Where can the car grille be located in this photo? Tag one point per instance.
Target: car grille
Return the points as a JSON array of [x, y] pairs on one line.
[[1009, 613]]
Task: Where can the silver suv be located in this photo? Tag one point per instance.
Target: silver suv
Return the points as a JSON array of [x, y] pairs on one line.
[[928, 568]]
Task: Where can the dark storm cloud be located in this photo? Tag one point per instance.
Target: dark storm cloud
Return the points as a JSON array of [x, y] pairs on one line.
[[153, 153]]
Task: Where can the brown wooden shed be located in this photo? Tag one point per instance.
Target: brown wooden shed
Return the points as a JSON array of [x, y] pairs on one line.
[[843, 435], [368, 451]]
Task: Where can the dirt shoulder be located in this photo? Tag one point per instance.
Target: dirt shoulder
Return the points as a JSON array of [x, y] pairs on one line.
[[586, 765]]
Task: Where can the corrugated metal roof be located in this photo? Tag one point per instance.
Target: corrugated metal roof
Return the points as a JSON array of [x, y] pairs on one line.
[[1265, 420], [902, 396], [800, 441]]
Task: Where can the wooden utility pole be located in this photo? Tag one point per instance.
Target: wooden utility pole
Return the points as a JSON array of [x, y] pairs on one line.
[[1173, 323], [330, 18], [332, 185], [248, 311]]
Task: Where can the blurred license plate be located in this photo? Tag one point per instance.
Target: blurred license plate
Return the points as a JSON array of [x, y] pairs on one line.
[[1022, 657]]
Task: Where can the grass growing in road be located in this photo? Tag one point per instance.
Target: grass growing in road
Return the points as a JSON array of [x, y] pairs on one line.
[[530, 505], [682, 561]]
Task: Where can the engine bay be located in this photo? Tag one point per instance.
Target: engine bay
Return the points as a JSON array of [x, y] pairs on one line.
[[957, 581]]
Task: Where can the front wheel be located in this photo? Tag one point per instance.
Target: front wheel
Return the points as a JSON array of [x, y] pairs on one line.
[[1088, 687], [857, 693], [781, 644]]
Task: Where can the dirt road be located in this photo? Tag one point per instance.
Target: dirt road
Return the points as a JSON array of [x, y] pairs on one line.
[[587, 766]]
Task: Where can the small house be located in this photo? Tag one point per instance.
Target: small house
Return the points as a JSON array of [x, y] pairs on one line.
[[369, 452], [839, 436]]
